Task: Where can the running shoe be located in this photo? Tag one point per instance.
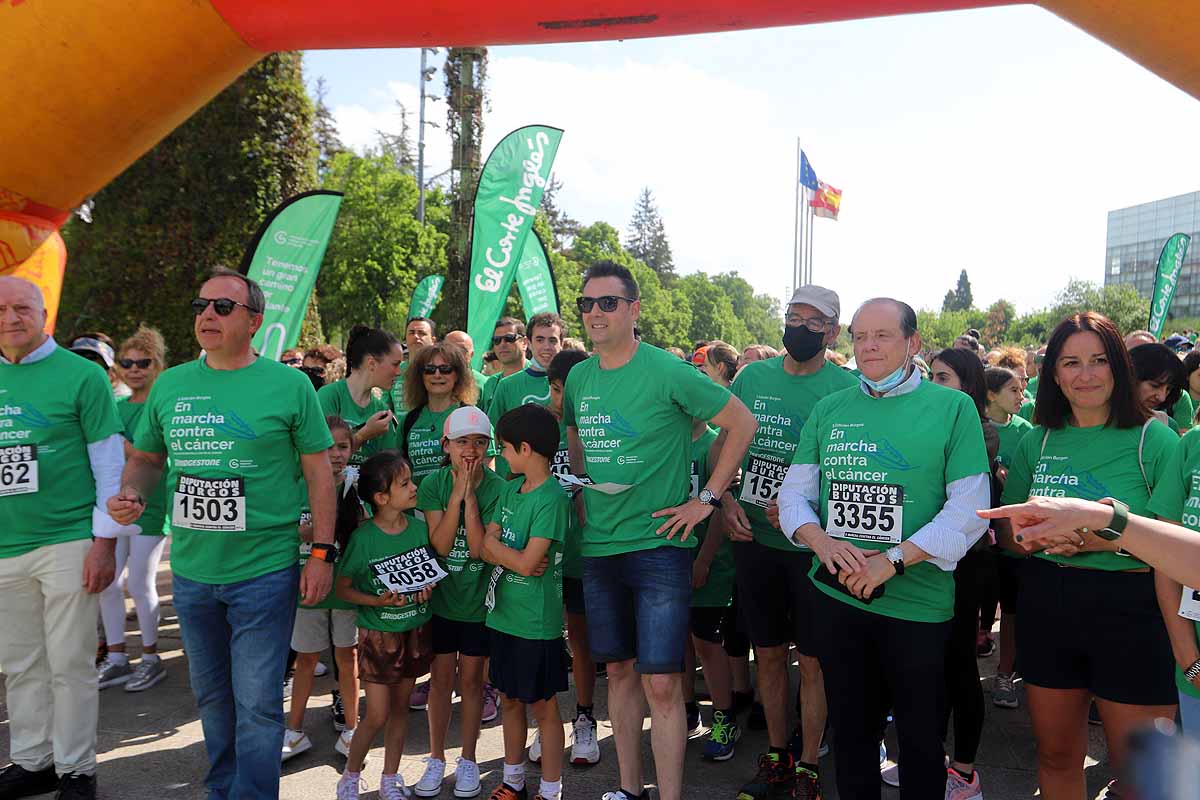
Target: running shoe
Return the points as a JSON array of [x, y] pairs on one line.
[[146, 674], [419, 699], [491, 705], [320, 671], [775, 779], [113, 674], [985, 645], [808, 785], [889, 771], [621, 794], [349, 786], [723, 736], [692, 710], [76, 787], [393, 788], [16, 781], [506, 792], [430, 784], [585, 749], [342, 745], [958, 788], [1005, 693], [294, 743], [338, 711], [535, 748], [466, 778]]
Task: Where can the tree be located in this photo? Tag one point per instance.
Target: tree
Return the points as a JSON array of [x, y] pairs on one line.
[[647, 238], [560, 227], [1120, 303], [398, 145], [713, 316], [329, 144], [192, 202], [1000, 316], [959, 299], [759, 313]]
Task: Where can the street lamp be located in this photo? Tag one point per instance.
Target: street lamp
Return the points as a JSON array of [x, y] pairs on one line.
[[427, 74]]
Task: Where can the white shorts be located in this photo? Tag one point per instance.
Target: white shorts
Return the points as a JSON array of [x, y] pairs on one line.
[[316, 626]]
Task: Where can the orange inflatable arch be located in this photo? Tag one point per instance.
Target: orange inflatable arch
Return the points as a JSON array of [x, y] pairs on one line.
[[91, 86]]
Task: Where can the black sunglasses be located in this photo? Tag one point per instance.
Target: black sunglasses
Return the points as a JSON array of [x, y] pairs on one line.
[[433, 369], [140, 363], [223, 305], [508, 337], [293, 361], [608, 302]]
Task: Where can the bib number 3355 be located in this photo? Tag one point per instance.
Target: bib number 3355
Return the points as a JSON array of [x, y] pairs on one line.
[[870, 511], [209, 504]]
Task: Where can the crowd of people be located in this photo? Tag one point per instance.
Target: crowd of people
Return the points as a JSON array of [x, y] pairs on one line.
[[629, 511]]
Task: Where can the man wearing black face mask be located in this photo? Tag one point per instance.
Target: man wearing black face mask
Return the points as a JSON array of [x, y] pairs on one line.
[[772, 574]]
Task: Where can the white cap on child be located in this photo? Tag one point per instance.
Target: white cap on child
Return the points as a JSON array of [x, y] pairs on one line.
[[467, 421]]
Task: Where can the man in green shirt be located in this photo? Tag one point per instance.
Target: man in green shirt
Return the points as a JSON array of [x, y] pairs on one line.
[[530, 385], [508, 343], [239, 430], [463, 340], [883, 488], [774, 593], [60, 451], [628, 413]]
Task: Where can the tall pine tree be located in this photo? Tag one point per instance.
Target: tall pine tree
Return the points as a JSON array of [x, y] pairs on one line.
[[647, 238], [329, 144]]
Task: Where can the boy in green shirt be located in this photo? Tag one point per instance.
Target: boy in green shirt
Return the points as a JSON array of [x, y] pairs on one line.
[[524, 540]]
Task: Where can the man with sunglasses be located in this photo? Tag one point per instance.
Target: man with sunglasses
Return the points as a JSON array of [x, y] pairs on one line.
[[508, 343], [628, 413], [530, 385], [60, 450], [239, 429]]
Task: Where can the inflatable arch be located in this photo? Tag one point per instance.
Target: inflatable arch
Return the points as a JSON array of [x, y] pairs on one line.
[[90, 86]]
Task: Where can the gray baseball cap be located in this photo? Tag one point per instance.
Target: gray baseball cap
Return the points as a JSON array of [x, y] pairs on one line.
[[824, 300]]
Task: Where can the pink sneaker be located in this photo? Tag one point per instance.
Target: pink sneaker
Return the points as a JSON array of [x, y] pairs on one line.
[[959, 789], [419, 699], [491, 708]]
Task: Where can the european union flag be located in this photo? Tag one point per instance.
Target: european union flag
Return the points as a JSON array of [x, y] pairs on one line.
[[808, 177]]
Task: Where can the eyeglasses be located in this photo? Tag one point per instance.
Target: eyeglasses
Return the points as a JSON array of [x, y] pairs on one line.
[[433, 369], [814, 324], [140, 363], [291, 362], [508, 337], [608, 302], [223, 305]]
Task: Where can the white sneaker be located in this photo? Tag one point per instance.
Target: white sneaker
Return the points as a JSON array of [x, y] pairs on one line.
[[466, 778], [321, 670], [535, 748], [889, 771], [430, 784], [585, 750], [113, 674], [393, 789], [146, 674], [342, 745], [348, 787], [295, 743]]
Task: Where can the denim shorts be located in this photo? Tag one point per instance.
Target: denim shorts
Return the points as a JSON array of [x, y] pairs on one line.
[[638, 607]]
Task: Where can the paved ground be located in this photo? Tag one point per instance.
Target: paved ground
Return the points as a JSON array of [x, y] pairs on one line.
[[151, 746]]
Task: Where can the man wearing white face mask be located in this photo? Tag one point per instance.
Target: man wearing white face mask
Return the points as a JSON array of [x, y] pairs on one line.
[[883, 487]]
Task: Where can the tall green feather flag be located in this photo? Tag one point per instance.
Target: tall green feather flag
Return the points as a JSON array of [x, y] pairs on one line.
[[425, 296], [1170, 265], [284, 258], [510, 190], [535, 281]]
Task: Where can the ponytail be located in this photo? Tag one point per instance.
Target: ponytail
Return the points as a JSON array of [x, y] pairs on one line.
[[363, 342]]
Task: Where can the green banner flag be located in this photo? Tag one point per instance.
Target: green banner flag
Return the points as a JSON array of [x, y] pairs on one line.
[[1170, 264], [425, 296], [284, 258], [535, 281], [510, 190]]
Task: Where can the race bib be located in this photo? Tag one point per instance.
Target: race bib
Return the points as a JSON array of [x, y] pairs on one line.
[[209, 504], [560, 467], [18, 469], [761, 482], [1189, 604], [409, 572], [870, 511], [305, 547], [489, 600]]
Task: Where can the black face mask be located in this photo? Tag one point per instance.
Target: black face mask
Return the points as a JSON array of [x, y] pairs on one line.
[[801, 343]]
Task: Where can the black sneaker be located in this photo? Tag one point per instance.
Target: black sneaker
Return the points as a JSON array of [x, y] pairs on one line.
[[693, 718], [757, 721], [76, 787], [16, 781], [338, 711], [775, 779], [808, 785]]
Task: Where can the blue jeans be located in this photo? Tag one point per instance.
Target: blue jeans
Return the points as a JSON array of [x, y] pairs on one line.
[[236, 636], [1189, 715], [638, 606]]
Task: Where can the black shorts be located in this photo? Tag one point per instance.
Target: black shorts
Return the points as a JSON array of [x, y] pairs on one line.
[[452, 636], [709, 623], [528, 670], [1007, 570], [775, 595], [1095, 630], [573, 595]]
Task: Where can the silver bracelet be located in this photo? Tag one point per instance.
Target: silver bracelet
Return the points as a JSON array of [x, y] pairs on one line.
[[1192, 672]]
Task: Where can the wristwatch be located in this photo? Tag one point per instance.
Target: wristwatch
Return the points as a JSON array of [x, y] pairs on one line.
[[708, 498], [896, 556], [1191, 672], [325, 552], [1120, 519]]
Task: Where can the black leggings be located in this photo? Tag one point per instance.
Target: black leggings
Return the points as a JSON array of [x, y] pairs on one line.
[[964, 695]]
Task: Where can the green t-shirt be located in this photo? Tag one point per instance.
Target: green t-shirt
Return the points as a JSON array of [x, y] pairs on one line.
[[1031, 387], [367, 559], [335, 400], [233, 439], [396, 396], [530, 607], [718, 590], [884, 467], [1091, 463], [781, 403], [1185, 409], [635, 425], [50, 411], [1177, 498], [154, 516], [460, 594], [526, 386], [425, 440], [1010, 436], [560, 467], [1026, 411], [488, 390]]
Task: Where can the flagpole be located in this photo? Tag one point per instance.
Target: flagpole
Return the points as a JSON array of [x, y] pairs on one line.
[[796, 232], [809, 242]]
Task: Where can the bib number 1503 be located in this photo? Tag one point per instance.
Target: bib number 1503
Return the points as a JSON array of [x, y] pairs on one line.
[[209, 504]]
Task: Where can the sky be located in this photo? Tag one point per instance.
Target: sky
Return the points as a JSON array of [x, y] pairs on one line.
[[993, 140]]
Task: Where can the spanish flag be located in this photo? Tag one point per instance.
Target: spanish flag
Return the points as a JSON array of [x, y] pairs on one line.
[[826, 200]]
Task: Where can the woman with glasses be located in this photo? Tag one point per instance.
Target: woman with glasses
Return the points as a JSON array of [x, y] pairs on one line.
[[439, 381], [140, 360], [1090, 622]]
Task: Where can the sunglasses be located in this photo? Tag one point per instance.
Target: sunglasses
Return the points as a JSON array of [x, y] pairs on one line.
[[293, 361], [223, 305], [508, 337], [608, 302], [140, 363], [433, 369]]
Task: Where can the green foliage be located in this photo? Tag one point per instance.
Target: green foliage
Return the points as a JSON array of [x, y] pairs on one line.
[[1000, 316], [647, 240], [192, 202], [1121, 304], [959, 298], [713, 316], [938, 331], [758, 313]]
